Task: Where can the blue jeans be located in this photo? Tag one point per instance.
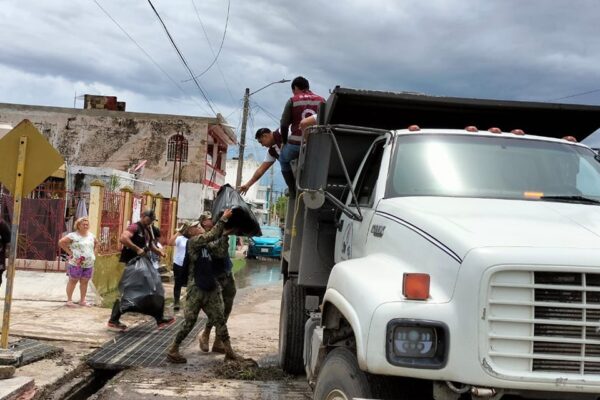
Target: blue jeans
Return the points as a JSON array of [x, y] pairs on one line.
[[288, 153]]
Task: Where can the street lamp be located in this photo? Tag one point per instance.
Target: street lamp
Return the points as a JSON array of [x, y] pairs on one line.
[[247, 94]]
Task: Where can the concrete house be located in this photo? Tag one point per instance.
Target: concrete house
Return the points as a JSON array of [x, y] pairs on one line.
[[142, 144]]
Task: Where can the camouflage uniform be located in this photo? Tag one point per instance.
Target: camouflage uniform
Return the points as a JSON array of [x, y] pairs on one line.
[[220, 249], [197, 299]]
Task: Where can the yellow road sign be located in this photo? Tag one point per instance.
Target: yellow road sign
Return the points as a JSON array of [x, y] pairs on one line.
[[27, 160], [41, 160]]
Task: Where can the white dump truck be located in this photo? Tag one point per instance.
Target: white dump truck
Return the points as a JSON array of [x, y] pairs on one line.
[[444, 248]]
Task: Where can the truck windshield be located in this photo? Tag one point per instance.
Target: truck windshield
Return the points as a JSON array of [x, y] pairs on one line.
[[493, 167]]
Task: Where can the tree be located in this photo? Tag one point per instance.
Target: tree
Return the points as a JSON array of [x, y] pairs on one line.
[[281, 208]]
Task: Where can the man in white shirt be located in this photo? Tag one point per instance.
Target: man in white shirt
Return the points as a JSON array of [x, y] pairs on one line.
[[273, 142]]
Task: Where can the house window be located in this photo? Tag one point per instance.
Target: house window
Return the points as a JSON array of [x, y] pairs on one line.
[[177, 148]]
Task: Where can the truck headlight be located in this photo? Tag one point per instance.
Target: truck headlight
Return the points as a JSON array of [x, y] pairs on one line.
[[414, 341], [417, 343]]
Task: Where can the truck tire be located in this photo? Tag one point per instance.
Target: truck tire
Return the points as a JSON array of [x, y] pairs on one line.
[[340, 378], [291, 328]]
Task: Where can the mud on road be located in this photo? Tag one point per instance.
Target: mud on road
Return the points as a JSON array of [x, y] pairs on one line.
[[254, 329]]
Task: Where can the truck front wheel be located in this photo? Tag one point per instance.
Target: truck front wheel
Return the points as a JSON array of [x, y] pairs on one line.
[[340, 378]]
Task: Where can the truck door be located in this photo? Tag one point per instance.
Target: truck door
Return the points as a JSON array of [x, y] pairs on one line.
[[352, 234]]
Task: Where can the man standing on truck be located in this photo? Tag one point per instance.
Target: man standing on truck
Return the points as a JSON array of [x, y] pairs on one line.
[[273, 142], [302, 104]]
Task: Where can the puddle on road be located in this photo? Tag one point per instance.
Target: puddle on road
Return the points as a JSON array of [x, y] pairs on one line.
[[258, 273]]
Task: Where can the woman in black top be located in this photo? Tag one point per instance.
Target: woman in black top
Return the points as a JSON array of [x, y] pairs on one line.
[[4, 241]]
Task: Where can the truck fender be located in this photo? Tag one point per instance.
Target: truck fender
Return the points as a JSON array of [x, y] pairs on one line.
[[335, 299]]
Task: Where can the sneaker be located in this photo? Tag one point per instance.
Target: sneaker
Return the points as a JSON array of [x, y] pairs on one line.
[[165, 323], [176, 307], [116, 326]]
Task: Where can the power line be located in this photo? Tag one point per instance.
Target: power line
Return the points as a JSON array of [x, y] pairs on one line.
[[148, 55], [216, 56], [182, 58], [238, 109], [576, 95], [270, 115]]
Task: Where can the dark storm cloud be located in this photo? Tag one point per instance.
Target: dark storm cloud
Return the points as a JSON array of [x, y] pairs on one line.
[[530, 50]]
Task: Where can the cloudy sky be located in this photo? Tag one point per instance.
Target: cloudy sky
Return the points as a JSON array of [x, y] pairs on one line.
[[539, 50]]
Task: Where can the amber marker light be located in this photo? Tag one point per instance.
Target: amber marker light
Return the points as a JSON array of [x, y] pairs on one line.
[[416, 286], [533, 195]]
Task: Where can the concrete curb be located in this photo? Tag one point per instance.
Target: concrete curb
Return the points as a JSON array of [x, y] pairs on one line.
[[13, 388]]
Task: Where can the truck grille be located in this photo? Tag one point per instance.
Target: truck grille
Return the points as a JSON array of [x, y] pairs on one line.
[[544, 321]]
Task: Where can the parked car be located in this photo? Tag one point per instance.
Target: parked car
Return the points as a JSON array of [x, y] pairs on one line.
[[267, 245]]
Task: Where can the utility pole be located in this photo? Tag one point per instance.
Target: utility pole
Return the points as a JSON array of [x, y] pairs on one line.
[[238, 179], [247, 94], [271, 201]]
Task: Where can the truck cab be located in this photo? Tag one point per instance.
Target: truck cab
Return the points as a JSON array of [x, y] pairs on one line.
[[443, 262]]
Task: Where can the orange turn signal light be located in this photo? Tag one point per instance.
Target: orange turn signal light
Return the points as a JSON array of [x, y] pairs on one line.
[[533, 195], [416, 286]]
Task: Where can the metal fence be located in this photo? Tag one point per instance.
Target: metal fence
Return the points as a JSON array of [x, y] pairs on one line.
[[113, 204], [46, 215], [137, 207]]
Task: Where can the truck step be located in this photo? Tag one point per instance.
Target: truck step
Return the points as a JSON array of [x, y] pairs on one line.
[[287, 255]]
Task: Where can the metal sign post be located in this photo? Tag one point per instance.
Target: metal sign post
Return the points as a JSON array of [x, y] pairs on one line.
[[27, 160], [16, 217]]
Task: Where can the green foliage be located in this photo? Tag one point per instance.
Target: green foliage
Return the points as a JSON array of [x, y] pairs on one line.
[[281, 207], [114, 183]]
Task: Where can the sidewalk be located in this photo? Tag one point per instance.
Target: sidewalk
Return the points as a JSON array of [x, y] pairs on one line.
[[38, 311]]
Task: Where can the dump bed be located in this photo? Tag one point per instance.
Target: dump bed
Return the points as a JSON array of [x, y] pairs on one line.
[[387, 110]]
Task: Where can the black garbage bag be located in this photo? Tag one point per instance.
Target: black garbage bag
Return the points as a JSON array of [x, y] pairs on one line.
[[141, 288], [243, 219]]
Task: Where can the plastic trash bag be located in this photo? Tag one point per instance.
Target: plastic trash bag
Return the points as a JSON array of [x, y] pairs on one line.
[[141, 288], [243, 219]]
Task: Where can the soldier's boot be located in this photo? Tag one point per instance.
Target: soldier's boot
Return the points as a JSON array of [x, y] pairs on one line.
[[218, 346], [174, 356], [231, 355], [203, 340], [290, 181]]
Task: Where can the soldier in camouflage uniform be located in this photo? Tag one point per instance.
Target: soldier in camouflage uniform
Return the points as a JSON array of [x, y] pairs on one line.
[[219, 251], [203, 291]]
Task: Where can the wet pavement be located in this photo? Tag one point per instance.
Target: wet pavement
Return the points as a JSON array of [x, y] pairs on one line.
[[254, 330], [258, 273]]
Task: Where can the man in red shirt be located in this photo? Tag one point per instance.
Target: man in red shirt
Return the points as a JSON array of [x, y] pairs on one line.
[[302, 104], [137, 240]]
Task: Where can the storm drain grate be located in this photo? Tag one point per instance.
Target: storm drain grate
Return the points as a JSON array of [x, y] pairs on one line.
[[141, 346], [33, 350]]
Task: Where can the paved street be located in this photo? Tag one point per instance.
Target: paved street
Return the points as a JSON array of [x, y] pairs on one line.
[[254, 328]]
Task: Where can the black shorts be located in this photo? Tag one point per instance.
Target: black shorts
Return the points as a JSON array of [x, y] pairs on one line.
[[180, 274]]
